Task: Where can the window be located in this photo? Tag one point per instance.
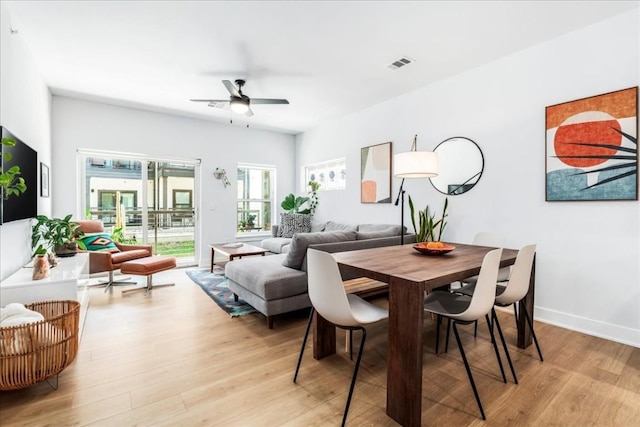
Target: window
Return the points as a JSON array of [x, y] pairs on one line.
[[256, 186], [182, 199], [331, 175], [107, 200]]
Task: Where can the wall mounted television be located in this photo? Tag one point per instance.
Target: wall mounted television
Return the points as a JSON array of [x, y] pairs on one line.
[[25, 205]]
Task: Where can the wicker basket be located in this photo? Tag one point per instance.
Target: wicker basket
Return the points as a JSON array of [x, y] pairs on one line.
[[38, 351]]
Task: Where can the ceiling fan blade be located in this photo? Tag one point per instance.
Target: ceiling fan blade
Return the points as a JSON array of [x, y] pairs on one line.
[[249, 113], [224, 105], [209, 100], [231, 88], [268, 101]]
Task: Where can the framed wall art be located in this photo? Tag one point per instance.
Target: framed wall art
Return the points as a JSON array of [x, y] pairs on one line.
[[375, 168], [591, 148]]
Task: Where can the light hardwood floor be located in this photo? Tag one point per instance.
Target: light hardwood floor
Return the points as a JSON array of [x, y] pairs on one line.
[[176, 359]]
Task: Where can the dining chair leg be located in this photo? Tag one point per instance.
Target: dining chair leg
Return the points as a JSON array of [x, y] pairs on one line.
[[466, 366], [533, 333], [475, 329], [304, 343], [350, 344], [495, 349], [494, 317], [355, 374]]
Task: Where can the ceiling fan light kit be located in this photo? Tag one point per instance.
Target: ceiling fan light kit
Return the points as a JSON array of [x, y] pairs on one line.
[[239, 105], [238, 102]]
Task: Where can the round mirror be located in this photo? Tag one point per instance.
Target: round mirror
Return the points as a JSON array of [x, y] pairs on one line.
[[460, 163]]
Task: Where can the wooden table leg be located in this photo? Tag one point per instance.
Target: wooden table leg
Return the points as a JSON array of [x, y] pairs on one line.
[[212, 254], [524, 334], [404, 364], [324, 337]]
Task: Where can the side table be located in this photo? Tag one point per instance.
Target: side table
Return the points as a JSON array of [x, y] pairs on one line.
[[235, 252]]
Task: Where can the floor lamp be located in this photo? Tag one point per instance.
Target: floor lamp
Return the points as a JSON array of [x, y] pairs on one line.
[[412, 164]]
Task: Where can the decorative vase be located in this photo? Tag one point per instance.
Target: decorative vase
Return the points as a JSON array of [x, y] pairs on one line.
[[40, 267]]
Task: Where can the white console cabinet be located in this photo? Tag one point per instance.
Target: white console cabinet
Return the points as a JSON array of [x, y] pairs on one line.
[[67, 281]]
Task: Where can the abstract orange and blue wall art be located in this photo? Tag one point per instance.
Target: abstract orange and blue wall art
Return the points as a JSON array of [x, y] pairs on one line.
[[592, 148]]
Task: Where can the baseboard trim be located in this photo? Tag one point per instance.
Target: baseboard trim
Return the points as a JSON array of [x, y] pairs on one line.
[[620, 334]]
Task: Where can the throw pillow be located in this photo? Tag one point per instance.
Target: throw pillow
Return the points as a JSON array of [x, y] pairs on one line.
[[291, 224], [99, 242], [317, 226], [336, 226], [301, 241]]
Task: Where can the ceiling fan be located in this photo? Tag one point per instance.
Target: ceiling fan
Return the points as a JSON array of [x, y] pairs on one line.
[[239, 102]]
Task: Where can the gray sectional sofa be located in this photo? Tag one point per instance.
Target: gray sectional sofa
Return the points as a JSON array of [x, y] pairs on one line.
[[277, 284]]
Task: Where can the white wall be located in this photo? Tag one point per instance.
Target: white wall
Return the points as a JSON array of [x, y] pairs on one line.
[[89, 125], [25, 109], [587, 272]]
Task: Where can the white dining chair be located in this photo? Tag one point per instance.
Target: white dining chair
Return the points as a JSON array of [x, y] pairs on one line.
[[511, 294], [494, 240], [346, 311], [465, 309]]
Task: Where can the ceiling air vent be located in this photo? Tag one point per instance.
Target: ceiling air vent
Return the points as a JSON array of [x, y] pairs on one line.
[[400, 63]]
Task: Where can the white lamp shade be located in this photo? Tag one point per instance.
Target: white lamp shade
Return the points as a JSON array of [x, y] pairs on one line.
[[415, 164]]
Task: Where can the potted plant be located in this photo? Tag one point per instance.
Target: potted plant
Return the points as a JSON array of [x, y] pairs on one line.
[[293, 204], [313, 199], [251, 220], [429, 229], [57, 234]]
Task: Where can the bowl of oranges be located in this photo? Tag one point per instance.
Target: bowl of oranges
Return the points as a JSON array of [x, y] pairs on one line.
[[433, 248]]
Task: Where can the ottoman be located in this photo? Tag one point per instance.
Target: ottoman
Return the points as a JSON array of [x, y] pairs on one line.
[[148, 267]]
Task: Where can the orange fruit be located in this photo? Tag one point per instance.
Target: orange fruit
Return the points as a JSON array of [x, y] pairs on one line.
[[435, 245]]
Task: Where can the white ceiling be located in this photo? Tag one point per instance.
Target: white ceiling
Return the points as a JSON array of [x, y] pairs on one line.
[[327, 58]]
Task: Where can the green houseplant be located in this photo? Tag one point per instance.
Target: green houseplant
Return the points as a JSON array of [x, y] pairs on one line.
[[313, 199], [57, 234], [293, 204], [429, 229], [10, 182]]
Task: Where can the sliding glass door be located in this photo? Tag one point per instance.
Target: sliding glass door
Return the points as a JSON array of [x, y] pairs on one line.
[[143, 201]]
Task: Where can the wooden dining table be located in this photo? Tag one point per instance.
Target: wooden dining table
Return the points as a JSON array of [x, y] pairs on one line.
[[410, 274]]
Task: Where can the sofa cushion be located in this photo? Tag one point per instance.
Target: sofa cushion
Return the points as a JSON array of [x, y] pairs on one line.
[[317, 226], [381, 227], [291, 223], [120, 257], [98, 242], [389, 232], [301, 241], [336, 226], [267, 277], [275, 244]]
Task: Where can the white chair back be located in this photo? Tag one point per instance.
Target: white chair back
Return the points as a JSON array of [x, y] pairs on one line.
[[484, 295], [518, 285], [326, 289], [496, 240]]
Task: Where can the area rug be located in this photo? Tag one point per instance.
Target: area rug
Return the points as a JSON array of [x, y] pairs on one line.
[[215, 285]]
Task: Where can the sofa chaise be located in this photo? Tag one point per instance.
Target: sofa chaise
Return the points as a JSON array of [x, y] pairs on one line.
[[277, 284]]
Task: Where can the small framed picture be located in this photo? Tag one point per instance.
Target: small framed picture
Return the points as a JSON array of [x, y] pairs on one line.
[[44, 180], [375, 167]]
